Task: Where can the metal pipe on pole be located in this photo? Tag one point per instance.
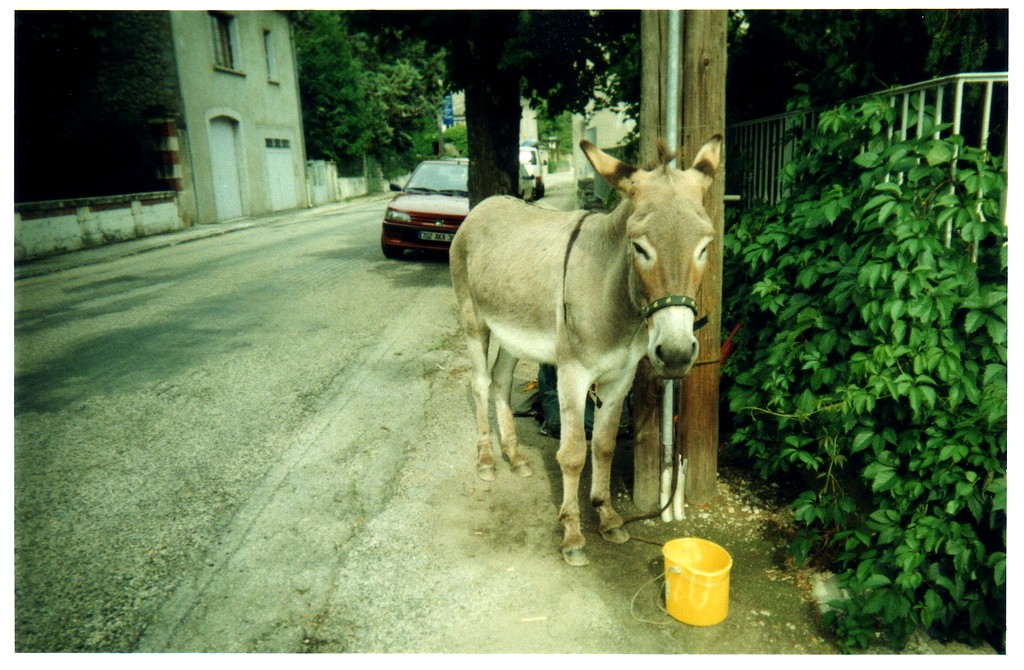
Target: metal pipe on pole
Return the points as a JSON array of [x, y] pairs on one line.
[[669, 459], [672, 94]]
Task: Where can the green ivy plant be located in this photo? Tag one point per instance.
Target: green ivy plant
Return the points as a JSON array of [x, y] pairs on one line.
[[872, 368]]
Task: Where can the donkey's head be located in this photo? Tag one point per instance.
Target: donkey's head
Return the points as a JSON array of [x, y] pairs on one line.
[[668, 239]]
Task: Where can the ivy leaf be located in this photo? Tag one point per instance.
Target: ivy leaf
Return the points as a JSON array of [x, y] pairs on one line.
[[868, 159], [974, 320], [994, 372], [999, 568], [996, 330], [885, 211], [919, 172], [929, 395], [876, 201], [861, 440], [832, 210], [889, 187], [876, 580], [883, 477], [939, 154]]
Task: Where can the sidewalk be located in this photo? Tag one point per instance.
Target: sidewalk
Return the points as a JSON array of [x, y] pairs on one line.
[[108, 252]]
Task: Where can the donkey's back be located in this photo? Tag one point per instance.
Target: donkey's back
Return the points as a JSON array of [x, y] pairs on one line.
[[506, 265], [509, 235]]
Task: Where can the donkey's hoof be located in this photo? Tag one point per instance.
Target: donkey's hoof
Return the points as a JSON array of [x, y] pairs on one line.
[[486, 472], [617, 535], [575, 557], [523, 469]]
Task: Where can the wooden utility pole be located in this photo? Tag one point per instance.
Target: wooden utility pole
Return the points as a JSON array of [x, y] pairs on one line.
[[703, 36], [704, 69], [647, 387]]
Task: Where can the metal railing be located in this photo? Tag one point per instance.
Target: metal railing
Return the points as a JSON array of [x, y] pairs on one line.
[[975, 104]]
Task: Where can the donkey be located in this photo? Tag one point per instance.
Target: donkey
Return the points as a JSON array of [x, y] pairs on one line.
[[592, 293]]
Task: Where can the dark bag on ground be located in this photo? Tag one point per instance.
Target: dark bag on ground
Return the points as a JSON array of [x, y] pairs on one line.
[[546, 409]]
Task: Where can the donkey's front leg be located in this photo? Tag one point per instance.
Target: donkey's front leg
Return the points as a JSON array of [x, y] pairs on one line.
[[606, 428], [572, 455]]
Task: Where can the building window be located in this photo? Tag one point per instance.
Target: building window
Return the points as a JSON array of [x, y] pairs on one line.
[[222, 28], [268, 51], [278, 143]]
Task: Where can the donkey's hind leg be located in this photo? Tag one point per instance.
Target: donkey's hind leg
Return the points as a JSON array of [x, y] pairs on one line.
[[477, 339], [501, 375]]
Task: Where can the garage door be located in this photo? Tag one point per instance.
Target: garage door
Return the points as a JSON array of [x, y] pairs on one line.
[[281, 174]]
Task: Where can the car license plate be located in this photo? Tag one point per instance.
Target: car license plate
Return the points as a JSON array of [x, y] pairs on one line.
[[436, 237]]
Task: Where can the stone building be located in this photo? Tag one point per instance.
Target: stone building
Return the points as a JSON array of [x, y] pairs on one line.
[[123, 109]]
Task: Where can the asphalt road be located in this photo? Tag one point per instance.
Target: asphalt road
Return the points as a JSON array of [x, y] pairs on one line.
[[162, 397]]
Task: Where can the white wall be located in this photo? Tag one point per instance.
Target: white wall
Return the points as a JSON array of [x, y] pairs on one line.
[[46, 228]]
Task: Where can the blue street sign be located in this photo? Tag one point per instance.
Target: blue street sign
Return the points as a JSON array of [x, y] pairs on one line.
[[447, 111]]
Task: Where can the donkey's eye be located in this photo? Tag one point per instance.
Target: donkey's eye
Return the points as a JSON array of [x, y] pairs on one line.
[[702, 251], [641, 252]]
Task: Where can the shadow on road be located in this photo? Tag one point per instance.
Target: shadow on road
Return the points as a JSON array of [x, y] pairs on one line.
[[416, 270]]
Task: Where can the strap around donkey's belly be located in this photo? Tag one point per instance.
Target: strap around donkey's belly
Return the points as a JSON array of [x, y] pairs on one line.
[[565, 265]]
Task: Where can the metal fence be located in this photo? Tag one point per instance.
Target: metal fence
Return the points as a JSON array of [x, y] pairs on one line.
[[975, 104]]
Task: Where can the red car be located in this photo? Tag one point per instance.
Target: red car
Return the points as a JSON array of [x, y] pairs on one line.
[[428, 210]]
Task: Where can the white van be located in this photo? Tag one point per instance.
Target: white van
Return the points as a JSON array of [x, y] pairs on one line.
[[530, 158]]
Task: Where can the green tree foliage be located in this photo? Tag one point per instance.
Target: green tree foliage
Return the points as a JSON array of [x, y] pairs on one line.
[[337, 123], [366, 89], [873, 368], [457, 137], [558, 127], [499, 57]]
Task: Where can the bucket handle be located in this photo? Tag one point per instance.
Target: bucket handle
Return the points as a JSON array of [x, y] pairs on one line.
[[675, 570], [632, 604]]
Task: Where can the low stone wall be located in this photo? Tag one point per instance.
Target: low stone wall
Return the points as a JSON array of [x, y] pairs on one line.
[[350, 187], [55, 226]]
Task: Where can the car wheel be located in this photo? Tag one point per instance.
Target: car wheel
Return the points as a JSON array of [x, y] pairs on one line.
[[538, 193], [389, 250]]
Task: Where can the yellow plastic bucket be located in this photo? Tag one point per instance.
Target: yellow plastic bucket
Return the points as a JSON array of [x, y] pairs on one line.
[[696, 581]]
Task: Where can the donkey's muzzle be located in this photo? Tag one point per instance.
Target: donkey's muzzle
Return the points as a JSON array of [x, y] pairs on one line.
[[673, 360], [672, 347]]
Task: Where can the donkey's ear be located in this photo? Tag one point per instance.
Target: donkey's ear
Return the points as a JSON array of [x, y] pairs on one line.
[[708, 158], [614, 171]]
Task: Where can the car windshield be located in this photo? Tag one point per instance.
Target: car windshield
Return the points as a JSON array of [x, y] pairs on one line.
[[444, 178], [527, 156]]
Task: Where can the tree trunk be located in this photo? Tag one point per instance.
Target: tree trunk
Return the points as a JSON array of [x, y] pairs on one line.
[[493, 113]]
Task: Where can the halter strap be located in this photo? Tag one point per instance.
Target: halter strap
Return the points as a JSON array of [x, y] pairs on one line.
[[676, 301]]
